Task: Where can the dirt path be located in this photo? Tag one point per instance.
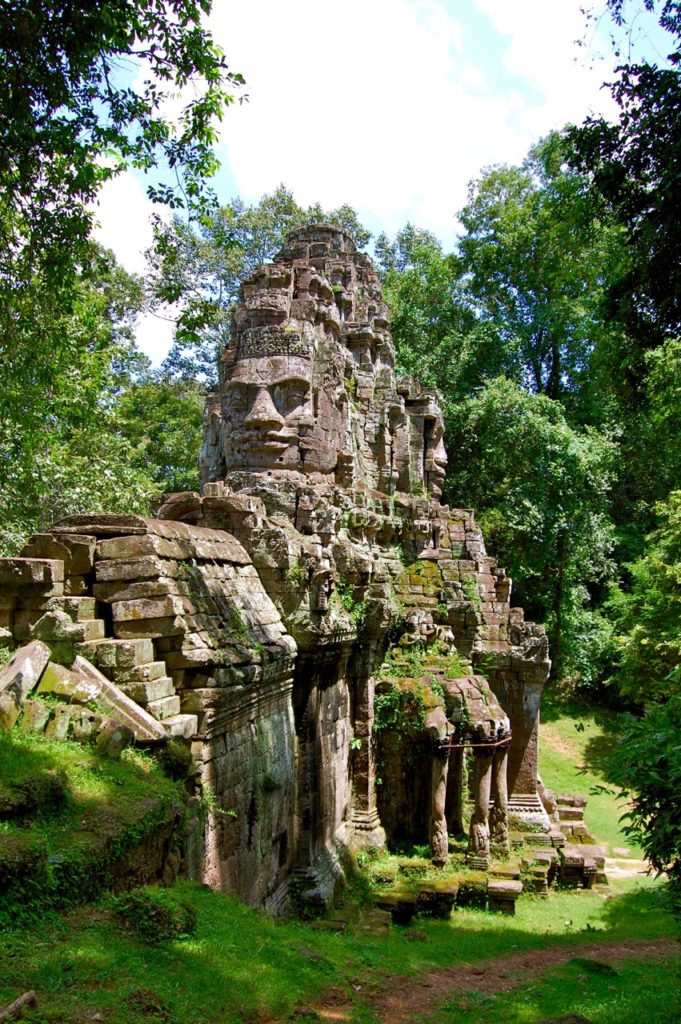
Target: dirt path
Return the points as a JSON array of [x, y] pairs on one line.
[[399, 1000]]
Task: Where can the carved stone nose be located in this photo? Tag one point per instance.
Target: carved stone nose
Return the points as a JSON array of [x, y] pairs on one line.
[[263, 414]]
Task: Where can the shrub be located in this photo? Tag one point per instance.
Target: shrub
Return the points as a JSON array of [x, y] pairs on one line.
[[155, 915]]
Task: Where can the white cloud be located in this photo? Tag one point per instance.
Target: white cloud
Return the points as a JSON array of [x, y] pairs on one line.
[[155, 336], [543, 48], [377, 103], [380, 104], [123, 212]]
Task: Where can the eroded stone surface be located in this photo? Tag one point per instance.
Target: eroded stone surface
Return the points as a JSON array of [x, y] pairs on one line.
[[23, 670], [255, 618]]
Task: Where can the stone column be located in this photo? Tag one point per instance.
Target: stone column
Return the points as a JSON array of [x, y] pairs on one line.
[[439, 838], [456, 791], [478, 837], [364, 820], [499, 812]]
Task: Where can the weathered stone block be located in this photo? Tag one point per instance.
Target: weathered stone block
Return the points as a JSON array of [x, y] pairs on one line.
[[23, 670], [61, 682], [149, 567], [62, 635], [78, 609], [144, 691], [16, 573], [155, 628], [182, 726], [164, 707], [10, 709], [113, 738], [75, 551], [116, 657], [154, 670], [59, 725], [145, 728], [34, 716], [126, 590], [160, 608], [84, 724], [196, 658], [76, 586], [137, 547], [503, 894]]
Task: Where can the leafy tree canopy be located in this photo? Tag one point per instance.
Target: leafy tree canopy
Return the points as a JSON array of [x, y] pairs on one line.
[[63, 369], [647, 614], [635, 166], [84, 90], [647, 765], [540, 488], [536, 251]]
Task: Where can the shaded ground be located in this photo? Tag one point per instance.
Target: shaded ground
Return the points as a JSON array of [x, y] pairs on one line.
[[399, 1001]]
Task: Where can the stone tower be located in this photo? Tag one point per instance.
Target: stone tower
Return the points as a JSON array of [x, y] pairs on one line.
[[316, 563]]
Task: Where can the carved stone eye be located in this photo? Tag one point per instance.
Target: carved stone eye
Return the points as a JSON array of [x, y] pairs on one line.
[[237, 401], [289, 396]]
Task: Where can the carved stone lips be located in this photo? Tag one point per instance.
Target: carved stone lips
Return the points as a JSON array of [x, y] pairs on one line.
[[270, 440]]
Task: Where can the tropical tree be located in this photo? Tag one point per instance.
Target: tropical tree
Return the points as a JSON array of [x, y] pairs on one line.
[[437, 337], [84, 93], [540, 489], [537, 250], [647, 615], [63, 368]]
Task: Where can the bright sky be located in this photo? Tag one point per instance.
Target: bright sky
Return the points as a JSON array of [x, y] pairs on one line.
[[392, 106]]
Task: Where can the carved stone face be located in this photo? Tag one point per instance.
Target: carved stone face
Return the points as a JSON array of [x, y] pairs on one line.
[[267, 409]]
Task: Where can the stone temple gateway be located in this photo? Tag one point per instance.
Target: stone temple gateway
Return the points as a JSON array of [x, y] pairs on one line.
[[335, 644]]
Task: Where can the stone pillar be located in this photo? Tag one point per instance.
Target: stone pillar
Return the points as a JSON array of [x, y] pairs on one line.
[[499, 812], [478, 837], [456, 791], [364, 820], [439, 839]]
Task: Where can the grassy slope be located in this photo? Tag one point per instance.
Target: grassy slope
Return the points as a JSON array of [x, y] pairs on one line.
[[629, 995], [242, 966], [573, 746], [64, 847]]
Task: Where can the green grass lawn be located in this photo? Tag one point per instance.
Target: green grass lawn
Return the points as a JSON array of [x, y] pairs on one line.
[[573, 746], [242, 966], [628, 994], [67, 813]]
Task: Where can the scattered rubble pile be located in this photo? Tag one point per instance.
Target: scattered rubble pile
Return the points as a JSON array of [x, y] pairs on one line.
[[334, 643]]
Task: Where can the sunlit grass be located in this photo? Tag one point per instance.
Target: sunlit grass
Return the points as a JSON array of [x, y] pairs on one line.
[[573, 749]]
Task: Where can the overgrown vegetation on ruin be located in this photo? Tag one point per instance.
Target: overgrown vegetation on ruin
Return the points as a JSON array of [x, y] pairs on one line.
[[68, 815]]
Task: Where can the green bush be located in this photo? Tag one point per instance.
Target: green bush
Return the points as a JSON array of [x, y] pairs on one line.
[[155, 915]]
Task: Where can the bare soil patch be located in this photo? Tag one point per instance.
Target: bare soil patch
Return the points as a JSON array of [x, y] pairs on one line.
[[399, 1000]]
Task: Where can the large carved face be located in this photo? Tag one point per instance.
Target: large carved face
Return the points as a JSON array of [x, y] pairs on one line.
[[267, 408]]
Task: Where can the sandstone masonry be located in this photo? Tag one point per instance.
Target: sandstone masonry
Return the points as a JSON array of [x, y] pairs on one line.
[[259, 619]]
